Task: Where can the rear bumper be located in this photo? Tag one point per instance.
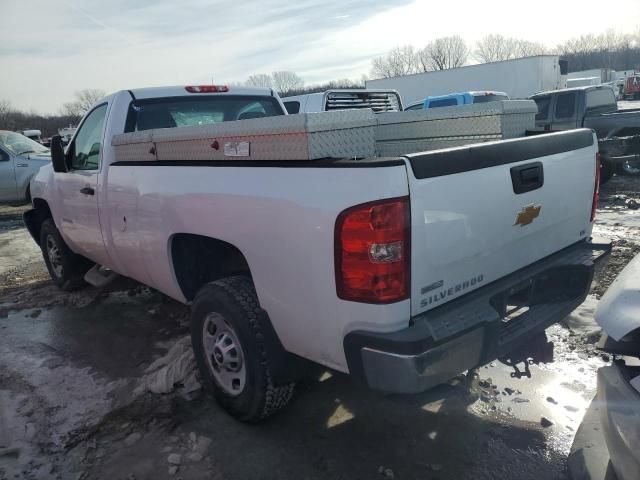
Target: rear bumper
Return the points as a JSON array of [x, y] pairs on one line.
[[471, 331], [619, 405]]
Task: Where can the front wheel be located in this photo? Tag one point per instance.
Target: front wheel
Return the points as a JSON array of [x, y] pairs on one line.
[[229, 345], [67, 269]]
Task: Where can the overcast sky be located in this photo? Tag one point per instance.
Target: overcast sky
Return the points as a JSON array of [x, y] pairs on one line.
[[51, 48]]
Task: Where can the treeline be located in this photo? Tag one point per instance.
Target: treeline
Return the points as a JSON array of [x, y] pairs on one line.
[[609, 50], [70, 114], [619, 51], [290, 83]]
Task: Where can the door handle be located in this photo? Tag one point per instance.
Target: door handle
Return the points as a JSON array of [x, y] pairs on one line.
[[527, 177], [87, 191]]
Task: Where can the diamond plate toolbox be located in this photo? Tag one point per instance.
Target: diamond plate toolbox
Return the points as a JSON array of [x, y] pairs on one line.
[[307, 136], [401, 133]]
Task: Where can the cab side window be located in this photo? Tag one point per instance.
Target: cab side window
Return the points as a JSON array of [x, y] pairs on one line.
[[88, 142], [543, 107]]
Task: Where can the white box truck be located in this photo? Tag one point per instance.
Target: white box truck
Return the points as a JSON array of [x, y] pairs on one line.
[[519, 78]]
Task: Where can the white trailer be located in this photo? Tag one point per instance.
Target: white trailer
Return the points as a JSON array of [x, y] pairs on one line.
[[604, 74], [519, 78]]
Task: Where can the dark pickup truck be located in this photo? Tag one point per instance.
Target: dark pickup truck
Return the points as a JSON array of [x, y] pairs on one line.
[[595, 107]]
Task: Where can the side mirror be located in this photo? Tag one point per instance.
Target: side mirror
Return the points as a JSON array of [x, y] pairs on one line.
[[57, 154]]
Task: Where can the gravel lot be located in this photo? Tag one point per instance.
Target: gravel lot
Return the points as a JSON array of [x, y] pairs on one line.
[[78, 374]]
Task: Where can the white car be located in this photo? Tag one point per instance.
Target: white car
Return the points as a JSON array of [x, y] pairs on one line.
[[402, 271]]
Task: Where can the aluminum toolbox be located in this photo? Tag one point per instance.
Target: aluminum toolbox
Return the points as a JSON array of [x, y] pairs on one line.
[[306, 136], [400, 133]]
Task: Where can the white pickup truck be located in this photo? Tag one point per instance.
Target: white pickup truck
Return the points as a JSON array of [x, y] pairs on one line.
[[402, 272]]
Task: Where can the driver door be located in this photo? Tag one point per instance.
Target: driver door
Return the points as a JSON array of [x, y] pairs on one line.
[[78, 189], [7, 177]]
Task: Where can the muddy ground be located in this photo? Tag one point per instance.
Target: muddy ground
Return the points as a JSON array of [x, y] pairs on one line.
[[82, 376]]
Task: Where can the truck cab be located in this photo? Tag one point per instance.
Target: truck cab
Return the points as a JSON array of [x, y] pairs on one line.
[[571, 107], [594, 107], [376, 100], [454, 99]]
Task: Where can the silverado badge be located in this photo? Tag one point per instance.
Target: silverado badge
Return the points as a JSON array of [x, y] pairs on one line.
[[527, 215]]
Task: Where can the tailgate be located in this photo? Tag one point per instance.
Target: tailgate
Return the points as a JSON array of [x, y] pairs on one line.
[[481, 212]]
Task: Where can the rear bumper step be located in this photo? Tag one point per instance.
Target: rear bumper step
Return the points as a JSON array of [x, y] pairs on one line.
[[476, 328]]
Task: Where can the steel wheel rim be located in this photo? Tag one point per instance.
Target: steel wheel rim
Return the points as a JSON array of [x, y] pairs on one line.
[[55, 258], [225, 357]]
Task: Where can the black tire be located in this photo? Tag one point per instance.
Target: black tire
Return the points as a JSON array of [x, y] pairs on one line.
[[629, 169], [234, 299], [607, 169], [68, 274]]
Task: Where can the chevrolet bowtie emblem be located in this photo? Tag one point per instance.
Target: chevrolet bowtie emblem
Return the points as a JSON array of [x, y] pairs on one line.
[[528, 215]]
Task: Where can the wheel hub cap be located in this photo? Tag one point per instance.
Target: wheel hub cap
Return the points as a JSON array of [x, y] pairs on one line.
[[224, 354], [54, 255]]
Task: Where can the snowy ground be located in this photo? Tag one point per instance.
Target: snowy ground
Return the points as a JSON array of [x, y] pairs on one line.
[[82, 376]]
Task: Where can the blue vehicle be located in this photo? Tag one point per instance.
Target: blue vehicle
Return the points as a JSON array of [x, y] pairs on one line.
[[454, 99]]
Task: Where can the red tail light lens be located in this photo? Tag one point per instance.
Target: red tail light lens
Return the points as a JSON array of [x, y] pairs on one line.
[[372, 252], [596, 188], [206, 88]]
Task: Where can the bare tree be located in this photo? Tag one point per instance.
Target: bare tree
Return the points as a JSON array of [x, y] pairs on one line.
[[399, 61], [284, 81], [5, 108], [259, 80], [526, 48], [444, 53], [84, 100], [495, 48]]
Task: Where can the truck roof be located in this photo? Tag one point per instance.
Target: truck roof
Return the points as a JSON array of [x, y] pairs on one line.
[[572, 89], [180, 90]]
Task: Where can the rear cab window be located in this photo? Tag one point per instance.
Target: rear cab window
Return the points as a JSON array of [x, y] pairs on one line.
[[170, 112], [565, 105], [489, 98], [445, 102], [292, 107]]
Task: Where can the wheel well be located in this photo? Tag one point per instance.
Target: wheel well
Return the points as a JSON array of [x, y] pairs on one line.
[[198, 260], [35, 217], [627, 132]]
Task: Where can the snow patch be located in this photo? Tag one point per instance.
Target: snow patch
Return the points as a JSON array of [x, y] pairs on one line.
[[177, 367]]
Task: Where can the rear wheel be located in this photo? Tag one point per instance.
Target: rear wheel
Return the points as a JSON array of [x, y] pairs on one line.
[[66, 268], [229, 345], [630, 168], [607, 169]]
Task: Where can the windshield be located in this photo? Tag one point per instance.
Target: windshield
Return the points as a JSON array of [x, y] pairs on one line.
[[19, 144], [189, 111]]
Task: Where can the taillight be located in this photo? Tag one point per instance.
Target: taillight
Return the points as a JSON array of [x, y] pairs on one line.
[[596, 188], [372, 252], [206, 88]]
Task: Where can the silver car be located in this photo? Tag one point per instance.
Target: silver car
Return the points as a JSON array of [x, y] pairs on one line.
[[607, 444], [20, 160]]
